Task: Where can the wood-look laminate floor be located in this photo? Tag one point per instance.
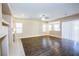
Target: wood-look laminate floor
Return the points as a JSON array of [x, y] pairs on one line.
[[50, 46]]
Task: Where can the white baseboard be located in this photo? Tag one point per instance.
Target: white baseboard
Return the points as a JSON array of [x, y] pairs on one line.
[[39, 35], [55, 36], [30, 36]]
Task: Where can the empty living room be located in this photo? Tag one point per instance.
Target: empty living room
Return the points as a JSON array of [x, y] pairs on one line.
[[39, 29]]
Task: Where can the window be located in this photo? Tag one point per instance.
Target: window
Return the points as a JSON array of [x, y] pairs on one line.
[[44, 27], [56, 26], [19, 27], [50, 27]]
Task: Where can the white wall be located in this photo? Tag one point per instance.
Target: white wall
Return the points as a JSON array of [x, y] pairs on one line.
[[30, 28]]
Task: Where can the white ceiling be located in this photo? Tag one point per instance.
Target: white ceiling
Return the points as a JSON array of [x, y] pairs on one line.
[[51, 10]]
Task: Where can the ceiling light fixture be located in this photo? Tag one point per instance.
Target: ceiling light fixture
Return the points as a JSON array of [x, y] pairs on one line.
[[43, 17]]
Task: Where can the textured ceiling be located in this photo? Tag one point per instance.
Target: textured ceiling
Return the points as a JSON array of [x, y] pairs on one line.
[[50, 10]]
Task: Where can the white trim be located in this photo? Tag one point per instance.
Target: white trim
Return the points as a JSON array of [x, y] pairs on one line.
[[55, 36], [30, 36], [39, 35]]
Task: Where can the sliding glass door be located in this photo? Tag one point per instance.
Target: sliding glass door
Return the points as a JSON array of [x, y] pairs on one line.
[[67, 30], [70, 30]]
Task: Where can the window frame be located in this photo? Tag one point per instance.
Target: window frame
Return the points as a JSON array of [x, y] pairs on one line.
[[19, 27], [56, 26]]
